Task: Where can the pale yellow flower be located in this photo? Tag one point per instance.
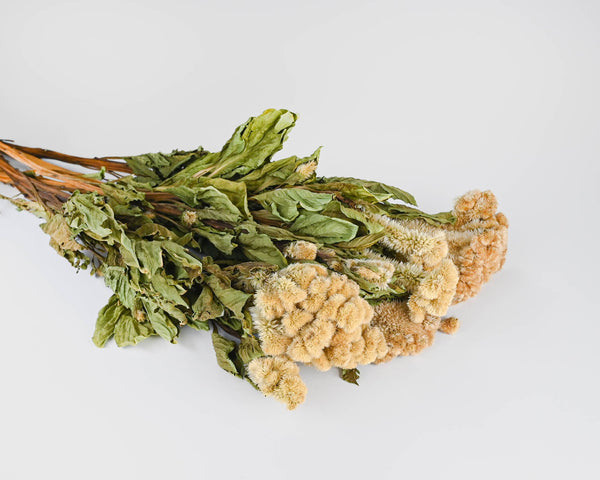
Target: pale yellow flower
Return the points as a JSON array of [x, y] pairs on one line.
[[415, 242], [449, 325], [477, 241], [317, 317], [301, 250], [278, 377], [431, 291], [403, 336]]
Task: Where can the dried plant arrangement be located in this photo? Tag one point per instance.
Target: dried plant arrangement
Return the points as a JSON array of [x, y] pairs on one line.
[[282, 267]]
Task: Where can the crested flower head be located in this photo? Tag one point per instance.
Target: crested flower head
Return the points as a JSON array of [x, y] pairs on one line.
[[316, 316], [449, 325], [278, 377], [403, 336], [431, 291], [477, 241], [435, 292], [415, 242], [189, 217], [307, 169], [301, 250], [378, 271]]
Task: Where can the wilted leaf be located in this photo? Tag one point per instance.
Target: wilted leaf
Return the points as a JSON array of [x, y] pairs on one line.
[[350, 375], [284, 203], [223, 348], [324, 229], [161, 324], [207, 307], [129, 331], [107, 319], [249, 349], [230, 297], [59, 230], [259, 247], [287, 171], [367, 190]]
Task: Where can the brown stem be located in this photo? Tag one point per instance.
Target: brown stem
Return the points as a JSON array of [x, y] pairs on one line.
[[46, 169], [96, 163]]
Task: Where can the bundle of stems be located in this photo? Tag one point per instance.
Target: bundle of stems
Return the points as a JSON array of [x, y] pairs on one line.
[[285, 267]]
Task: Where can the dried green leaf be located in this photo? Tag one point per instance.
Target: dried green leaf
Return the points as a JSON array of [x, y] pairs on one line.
[[324, 229], [159, 321], [287, 171], [206, 307], [117, 279], [259, 247], [129, 331], [249, 349], [366, 190], [158, 166], [350, 375], [107, 319], [205, 197], [284, 203], [406, 212], [223, 348], [232, 298]]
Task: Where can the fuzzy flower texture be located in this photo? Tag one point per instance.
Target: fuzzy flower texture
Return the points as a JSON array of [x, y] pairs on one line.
[[316, 315]]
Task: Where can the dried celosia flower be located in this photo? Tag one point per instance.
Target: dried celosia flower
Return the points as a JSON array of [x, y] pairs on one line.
[[189, 217], [301, 250], [415, 242], [305, 170], [449, 325], [316, 316], [431, 291], [403, 336], [278, 377], [377, 271], [477, 241]]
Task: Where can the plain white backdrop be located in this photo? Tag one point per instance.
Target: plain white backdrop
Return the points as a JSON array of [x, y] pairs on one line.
[[435, 97]]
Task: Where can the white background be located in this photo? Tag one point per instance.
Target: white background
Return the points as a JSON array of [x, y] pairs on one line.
[[435, 97]]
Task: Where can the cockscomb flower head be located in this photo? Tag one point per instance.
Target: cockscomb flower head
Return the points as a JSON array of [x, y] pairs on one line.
[[278, 377], [301, 250], [307, 169], [477, 241], [431, 291], [403, 336], [413, 241], [317, 317], [377, 271]]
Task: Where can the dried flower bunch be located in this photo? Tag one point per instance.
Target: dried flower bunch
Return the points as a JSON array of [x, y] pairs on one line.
[[284, 267]]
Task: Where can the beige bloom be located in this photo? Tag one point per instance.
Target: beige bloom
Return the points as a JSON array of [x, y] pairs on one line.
[[415, 242], [305, 170], [301, 250], [278, 377], [450, 325], [377, 271], [431, 291], [316, 317], [477, 241], [402, 335]]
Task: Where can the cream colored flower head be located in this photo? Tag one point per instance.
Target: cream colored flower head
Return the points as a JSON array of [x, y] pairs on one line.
[[278, 377], [376, 271], [307, 169], [415, 242], [435, 292], [316, 316], [301, 250]]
